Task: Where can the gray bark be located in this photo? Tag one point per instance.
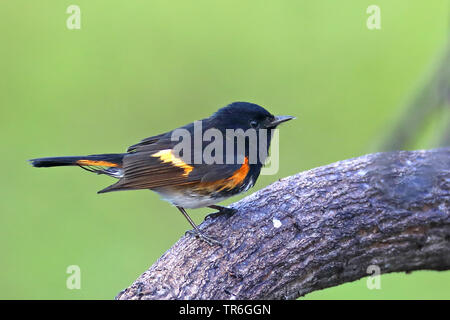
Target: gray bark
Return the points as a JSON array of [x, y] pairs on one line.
[[314, 230]]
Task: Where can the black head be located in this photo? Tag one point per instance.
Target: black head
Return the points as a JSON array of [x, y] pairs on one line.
[[246, 115]]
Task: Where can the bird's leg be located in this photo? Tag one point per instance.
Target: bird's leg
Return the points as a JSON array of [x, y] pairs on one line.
[[221, 210], [196, 231]]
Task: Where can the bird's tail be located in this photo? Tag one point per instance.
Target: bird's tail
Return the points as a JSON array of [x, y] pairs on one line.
[[110, 164]]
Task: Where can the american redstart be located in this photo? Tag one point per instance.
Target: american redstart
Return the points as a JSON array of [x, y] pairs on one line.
[[194, 166]]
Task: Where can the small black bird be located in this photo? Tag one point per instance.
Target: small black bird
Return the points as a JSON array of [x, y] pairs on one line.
[[177, 175]]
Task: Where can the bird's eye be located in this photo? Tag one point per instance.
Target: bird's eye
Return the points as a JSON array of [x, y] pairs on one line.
[[254, 123]]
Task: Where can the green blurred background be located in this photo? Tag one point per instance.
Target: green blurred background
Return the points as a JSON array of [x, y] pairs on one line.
[[138, 68]]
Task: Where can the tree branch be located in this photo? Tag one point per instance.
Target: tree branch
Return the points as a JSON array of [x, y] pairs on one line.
[[314, 230]]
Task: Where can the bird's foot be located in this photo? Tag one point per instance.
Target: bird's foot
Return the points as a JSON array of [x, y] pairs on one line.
[[209, 240], [222, 210]]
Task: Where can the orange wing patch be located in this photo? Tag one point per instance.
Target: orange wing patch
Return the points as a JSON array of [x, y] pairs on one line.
[[167, 156], [96, 163]]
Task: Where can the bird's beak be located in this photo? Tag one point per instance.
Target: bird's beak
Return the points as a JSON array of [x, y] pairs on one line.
[[278, 120]]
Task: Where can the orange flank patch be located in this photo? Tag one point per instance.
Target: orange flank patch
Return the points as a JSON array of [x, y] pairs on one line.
[[96, 163], [229, 183], [167, 156], [238, 176]]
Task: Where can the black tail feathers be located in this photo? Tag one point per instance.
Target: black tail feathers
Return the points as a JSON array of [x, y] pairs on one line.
[[104, 160]]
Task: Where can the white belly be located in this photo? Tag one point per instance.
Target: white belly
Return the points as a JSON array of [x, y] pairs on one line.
[[187, 200]]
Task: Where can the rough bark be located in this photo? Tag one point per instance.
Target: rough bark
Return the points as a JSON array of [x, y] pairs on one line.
[[314, 230]]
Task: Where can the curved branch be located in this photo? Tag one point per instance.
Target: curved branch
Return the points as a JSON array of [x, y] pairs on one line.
[[314, 230]]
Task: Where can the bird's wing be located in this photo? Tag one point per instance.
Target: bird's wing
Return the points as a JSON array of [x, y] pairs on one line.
[[154, 165], [144, 143]]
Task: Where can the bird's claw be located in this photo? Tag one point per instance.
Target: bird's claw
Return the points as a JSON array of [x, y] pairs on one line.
[[224, 210], [209, 240]]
